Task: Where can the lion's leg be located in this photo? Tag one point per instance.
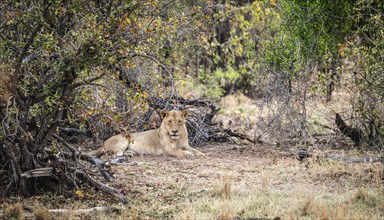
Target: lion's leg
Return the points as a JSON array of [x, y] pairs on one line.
[[120, 149], [119, 153], [176, 152], [197, 152], [194, 151]]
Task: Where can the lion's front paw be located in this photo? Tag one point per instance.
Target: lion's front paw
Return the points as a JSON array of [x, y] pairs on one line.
[[188, 154]]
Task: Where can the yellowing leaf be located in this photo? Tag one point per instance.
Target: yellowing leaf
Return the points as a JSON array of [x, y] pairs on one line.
[[79, 193], [128, 20]]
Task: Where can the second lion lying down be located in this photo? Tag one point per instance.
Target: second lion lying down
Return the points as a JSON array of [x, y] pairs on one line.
[[170, 139]]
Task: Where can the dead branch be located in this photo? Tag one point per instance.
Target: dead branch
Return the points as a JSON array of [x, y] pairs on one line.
[[31, 210], [103, 187], [242, 136], [304, 154], [86, 211], [355, 134], [39, 172], [352, 159]]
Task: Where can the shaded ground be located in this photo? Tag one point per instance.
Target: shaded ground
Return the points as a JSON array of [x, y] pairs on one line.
[[234, 182]]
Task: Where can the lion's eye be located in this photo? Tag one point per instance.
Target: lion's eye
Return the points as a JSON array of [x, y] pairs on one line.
[[179, 123], [170, 122]]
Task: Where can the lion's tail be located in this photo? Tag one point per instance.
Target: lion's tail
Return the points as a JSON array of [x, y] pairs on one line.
[[97, 153]]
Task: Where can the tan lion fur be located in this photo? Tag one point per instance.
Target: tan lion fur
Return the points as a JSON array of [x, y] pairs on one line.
[[170, 139]]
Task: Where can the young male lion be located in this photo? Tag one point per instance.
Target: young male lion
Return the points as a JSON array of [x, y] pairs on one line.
[[170, 139]]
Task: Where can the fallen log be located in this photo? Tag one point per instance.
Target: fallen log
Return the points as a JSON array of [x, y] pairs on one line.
[[352, 159], [39, 172], [304, 154], [86, 211]]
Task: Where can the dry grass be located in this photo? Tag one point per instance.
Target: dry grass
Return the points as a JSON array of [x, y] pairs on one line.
[[42, 214], [223, 189], [14, 211], [288, 190]]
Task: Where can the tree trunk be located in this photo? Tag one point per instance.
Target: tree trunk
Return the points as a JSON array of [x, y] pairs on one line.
[[355, 134]]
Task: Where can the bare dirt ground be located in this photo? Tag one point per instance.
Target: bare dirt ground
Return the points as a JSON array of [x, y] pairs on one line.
[[247, 182], [233, 182]]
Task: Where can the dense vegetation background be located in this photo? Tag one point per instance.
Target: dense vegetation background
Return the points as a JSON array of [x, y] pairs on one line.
[[93, 65]]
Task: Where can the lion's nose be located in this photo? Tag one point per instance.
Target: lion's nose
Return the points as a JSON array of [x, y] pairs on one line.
[[174, 132]]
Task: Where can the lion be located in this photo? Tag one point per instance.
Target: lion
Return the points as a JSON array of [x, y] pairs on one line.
[[170, 139]]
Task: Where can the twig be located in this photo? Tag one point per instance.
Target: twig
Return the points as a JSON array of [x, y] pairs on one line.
[[242, 136]]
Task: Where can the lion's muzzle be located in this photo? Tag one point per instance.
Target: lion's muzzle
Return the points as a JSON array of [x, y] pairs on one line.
[[174, 134], [175, 137]]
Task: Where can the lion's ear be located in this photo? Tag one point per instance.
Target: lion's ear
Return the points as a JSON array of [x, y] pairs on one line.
[[184, 113], [164, 113]]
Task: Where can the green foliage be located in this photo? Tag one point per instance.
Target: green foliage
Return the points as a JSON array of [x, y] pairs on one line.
[[310, 33], [208, 39], [213, 83], [240, 41], [321, 33], [318, 25]]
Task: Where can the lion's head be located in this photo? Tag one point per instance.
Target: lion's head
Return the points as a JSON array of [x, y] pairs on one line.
[[174, 122]]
